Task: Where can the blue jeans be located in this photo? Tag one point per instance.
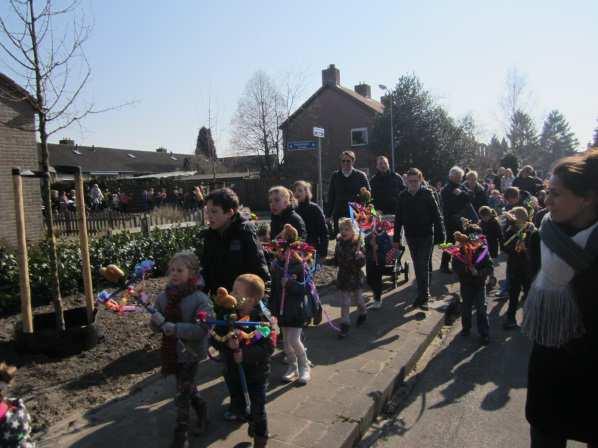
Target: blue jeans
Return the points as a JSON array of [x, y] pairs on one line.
[[474, 296], [421, 248], [258, 421]]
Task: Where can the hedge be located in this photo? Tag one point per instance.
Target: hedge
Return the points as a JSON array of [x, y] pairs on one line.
[[123, 249]]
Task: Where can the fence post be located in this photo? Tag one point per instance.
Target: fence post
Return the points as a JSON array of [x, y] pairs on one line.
[[26, 313], [145, 227], [84, 242]]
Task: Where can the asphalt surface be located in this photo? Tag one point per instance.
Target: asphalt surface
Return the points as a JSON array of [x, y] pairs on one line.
[[467, 396]]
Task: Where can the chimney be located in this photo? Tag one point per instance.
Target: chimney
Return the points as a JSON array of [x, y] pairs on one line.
[[364, 89], [331, 76]]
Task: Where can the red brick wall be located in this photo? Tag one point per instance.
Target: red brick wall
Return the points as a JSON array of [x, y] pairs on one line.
[[18, 149], [337, 113]]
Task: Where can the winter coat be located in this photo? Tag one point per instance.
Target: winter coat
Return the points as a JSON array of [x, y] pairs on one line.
[[455, 206], [386, 188], [230, 253], [383, 245], [479, 196], [343, 190], [531, 184], [484, 268], [419, 214], [561, 389], [522, 263], [315, 224], [288, 216], [493, 232], [294, 313], [193, 336], [256, 356], [349, 258]]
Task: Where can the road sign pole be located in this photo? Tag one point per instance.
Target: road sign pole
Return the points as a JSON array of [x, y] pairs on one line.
[[320, 192]]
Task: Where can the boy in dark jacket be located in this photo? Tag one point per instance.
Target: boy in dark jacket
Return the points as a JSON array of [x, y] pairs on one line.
[[521, 241], [252, 355], [472, 279], [231, 247]]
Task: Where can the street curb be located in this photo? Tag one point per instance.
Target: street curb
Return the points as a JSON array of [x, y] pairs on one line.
[[349, 430]]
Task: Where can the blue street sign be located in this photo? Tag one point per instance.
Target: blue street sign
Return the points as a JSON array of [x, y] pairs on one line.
[[302, 144]]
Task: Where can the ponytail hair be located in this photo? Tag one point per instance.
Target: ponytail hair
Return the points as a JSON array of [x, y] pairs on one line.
[[285, 193], [487, 211]]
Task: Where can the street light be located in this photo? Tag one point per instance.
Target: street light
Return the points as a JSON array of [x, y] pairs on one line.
[[392, 139]]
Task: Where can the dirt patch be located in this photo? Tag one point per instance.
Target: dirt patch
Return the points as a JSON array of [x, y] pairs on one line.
[[53, 388]]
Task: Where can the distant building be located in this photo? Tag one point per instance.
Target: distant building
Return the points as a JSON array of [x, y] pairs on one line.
[[18, 149], [348, 118]]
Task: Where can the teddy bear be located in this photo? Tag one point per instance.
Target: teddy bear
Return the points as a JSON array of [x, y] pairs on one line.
[[112, 273], [224, 300]]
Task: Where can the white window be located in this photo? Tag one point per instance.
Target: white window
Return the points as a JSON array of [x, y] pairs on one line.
[[359, 137]]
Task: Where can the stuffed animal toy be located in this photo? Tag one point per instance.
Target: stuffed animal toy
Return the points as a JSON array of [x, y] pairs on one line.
[[112, 273], [224, 300], [365, 197], [288, 234]]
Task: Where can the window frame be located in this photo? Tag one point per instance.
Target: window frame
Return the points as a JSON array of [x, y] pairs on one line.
[[364, 130]]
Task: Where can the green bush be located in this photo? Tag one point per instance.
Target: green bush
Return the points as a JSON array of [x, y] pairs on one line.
[[123, 249]]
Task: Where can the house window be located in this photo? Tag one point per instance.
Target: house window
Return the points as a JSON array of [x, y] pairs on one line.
[[359, 137]]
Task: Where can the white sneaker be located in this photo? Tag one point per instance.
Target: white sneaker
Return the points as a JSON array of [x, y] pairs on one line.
[[304, 370], [291, 374], [376, 305]]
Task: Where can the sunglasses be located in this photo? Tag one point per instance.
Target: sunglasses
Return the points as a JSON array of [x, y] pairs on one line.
[[346, 160]]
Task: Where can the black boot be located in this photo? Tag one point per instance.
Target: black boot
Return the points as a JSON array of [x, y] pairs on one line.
[[260, 442], [180, 437], [201, 409], [344, 330], [361, 320]]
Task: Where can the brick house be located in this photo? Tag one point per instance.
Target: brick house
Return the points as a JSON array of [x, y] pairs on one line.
[[348, 117], [18, 149]]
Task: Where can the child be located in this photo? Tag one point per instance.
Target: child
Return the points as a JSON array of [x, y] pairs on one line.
[[15, 422], [472, 280], [349, 258], [289, 304], [253, 356], [491, 229], [521, 240], [377, 245], [282, 206], [184, 343], [496, 201]]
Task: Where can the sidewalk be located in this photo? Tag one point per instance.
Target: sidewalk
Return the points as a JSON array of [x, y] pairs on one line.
[[351, 380]]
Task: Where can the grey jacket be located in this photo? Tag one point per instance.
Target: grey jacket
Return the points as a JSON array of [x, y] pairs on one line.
[[193, 345]]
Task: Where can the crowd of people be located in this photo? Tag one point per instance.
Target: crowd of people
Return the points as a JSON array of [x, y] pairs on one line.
[[545, 229]]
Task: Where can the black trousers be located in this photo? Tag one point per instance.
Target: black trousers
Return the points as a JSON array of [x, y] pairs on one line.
[[540, 439], [374, 278], [258, 421], [518, 282]]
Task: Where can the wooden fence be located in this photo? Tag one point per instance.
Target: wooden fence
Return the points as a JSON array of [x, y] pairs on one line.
[[104, 221]]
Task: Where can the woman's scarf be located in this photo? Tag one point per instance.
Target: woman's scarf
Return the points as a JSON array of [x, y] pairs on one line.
[[551, 314], [172, 313]]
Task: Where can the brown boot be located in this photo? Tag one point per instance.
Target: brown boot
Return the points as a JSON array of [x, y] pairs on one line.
[[260, 442]]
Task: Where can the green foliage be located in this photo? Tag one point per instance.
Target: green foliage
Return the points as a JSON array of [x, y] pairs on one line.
[[123, 249], [425, 135], [510, 161], [523, 137], [557, 139]]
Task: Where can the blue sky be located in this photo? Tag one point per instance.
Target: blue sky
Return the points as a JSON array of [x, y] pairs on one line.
[[171, 57]]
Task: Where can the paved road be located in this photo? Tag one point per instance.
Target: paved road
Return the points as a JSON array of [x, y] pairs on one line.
[[468, 396]]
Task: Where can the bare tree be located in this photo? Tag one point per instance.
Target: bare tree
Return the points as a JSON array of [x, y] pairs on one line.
[[264, 106], [44, 46], [517, 96]]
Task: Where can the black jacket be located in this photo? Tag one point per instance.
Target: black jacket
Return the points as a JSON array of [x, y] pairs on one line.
[[419, 214], [531, 184], [343, 190], [256, 356], [454, 206], [484, 268], [288, 216], [293, 313], [386, 188], [315, 224], [493, 233], [228, 254], [523, 263], [479, 196], [561, 390]]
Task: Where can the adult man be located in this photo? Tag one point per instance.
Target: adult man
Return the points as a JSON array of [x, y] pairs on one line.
[[526, 180], [386, 187], [479, 197], [456, 204], [344, 188], [419, 214]]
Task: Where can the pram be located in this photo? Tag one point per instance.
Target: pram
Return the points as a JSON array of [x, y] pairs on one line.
[[394, 266]]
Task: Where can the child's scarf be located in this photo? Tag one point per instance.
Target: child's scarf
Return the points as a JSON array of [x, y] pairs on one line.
[[551, 314], [172, 313]]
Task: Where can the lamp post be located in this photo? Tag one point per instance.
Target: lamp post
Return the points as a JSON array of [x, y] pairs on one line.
[[392, 139]]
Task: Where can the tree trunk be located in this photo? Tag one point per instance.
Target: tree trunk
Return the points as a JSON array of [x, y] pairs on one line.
[[54, 279]]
